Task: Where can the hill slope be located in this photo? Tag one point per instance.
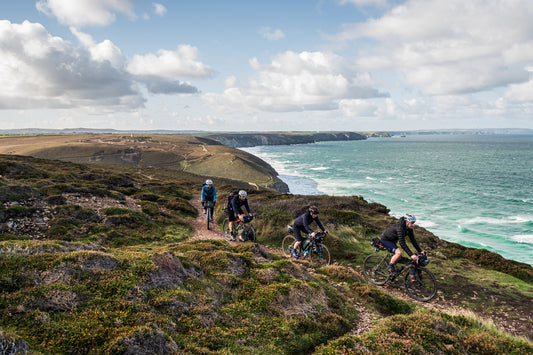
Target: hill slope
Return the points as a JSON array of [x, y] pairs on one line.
[[196, 155], [98, 259]]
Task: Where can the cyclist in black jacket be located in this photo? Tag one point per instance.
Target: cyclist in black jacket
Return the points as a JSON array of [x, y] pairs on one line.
[[301, 224], [235, 208], [397, 233]]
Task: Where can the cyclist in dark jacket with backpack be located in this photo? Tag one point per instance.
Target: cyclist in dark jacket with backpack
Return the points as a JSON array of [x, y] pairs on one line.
[[397, 233], [301, 224], [235, 208]]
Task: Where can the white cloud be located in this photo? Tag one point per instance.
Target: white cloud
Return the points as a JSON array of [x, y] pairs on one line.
[[295, 82], [449, 47], [100, 52], [159, 9], [85, 12], [271, 34], [170, 64], [357, 108], [40, 70]]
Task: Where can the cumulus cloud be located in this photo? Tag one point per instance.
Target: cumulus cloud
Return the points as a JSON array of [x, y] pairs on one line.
[[271, 34], [449, 47], [170, 64], [159, 9], [295, 82], [40, 70], [80, 13], [162, 73]]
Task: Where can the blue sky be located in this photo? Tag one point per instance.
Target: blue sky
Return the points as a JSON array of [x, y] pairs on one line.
[[272, 65]]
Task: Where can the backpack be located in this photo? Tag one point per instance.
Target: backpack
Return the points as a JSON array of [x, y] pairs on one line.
[[230, 197]]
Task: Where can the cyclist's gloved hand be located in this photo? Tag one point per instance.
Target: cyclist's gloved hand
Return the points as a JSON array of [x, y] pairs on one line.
[[414, 257]]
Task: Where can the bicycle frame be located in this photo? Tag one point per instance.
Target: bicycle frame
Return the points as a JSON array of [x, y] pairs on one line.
[[419, 283]]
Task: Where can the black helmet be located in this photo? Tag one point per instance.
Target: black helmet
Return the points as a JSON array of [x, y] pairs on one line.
[[313, 209]]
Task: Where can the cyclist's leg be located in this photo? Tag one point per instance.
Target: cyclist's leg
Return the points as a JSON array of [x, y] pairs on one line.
[[390, 246], [298, 236], [231, 219]]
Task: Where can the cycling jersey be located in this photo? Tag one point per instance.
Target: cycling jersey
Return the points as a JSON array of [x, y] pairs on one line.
[[397, 232]]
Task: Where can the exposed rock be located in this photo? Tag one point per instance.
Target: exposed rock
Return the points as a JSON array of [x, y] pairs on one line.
[[237, 140]]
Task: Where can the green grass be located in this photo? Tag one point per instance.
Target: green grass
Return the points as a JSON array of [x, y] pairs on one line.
[[110, 280]]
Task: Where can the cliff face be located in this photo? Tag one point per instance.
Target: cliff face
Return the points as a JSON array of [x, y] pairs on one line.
[[237, 140]]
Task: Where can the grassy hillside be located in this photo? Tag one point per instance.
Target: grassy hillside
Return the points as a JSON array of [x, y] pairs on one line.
[[100, 259], [196, 155]]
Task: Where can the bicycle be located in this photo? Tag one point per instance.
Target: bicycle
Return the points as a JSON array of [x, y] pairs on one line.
[[311, 248], [242, 230], [209, 206], [419, 282]]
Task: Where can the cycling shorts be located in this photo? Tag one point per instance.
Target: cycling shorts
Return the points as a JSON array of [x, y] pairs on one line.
[[390, 246]]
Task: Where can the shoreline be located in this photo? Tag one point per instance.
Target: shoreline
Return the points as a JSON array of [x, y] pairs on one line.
[[465, 233]]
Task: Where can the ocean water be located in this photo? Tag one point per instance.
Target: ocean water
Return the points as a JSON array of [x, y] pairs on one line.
[[473, 190]]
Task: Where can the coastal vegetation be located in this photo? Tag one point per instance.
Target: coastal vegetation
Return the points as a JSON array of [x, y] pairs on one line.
[[100, 256]]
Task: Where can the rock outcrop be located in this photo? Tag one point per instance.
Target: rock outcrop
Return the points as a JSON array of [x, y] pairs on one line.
[[238, 140]]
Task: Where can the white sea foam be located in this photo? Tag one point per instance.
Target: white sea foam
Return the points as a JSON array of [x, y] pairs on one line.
[[523, 238], [505, 220], [320, 168]]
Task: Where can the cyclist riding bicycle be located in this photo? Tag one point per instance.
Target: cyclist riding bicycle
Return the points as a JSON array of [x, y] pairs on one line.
[[397, 233], [209, 193], [235, 209], [301, 224]]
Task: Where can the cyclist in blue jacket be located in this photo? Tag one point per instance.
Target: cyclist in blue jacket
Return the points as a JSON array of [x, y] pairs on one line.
[[301, 224], [209, 193]]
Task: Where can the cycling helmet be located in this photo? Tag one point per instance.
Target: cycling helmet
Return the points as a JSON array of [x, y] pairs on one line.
[[243, 193], [410, 218], [313, 209], [209, 182]]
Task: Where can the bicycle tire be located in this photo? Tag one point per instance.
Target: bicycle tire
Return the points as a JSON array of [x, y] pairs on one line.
[[251, 234], [320, 257], [287, 245], [209, 216], [375, 269], [225, 230], [425, 286]]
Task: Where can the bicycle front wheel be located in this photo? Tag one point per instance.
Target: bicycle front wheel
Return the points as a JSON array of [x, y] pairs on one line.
[[251, 234], [288, 245], [209, 216], [424, 287], [375, 269], [321, 256], [225, 230]]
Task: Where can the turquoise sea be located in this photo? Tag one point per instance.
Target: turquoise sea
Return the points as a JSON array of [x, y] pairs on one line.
[[473, 190]]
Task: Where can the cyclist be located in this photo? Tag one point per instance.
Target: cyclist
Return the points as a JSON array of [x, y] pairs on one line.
[[209, 193], [235, 209], [397, 233], [301, 224]]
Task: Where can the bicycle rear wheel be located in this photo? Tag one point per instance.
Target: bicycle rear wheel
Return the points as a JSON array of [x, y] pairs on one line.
[[375, 269], [225, 230], [288, 245], [321, 256], [424, 288]]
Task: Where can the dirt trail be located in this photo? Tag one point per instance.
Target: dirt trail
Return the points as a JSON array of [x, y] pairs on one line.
[[200, 224]]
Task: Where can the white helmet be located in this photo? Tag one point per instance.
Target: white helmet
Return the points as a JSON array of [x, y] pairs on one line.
[[243, 193], [209, 182], [410, 218]]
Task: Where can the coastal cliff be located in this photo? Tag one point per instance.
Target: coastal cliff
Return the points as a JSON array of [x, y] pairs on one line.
[[238, 140]]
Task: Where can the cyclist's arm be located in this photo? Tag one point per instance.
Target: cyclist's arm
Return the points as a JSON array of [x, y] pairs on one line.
[[247, 207], [411, 235], [214, 194]]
